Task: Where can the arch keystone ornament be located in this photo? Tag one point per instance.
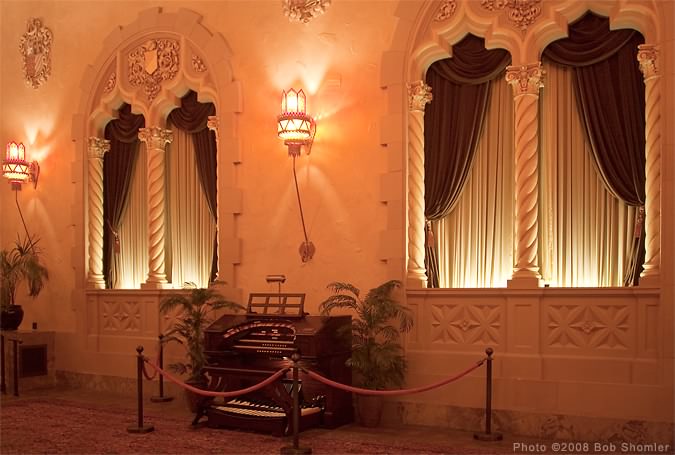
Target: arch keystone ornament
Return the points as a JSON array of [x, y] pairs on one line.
[[35, 47]]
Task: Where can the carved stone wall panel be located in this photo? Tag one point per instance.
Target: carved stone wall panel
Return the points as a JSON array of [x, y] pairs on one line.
[[121, 316], [576, 328], [463, 323]]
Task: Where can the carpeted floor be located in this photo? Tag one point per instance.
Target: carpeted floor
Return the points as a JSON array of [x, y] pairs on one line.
[[53, 426]]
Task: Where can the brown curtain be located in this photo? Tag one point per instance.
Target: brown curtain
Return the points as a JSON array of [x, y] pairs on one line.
[[118, 168], [452, 125], [610, 92], [192, 117]]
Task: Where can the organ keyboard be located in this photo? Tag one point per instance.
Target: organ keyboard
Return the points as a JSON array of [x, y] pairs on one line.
[[243, 350]]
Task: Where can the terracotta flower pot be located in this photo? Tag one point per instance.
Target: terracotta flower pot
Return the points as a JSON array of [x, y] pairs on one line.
[[369, 408]]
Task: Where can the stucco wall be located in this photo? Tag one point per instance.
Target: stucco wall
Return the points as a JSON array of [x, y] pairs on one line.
[[334, 58], [354, 189]]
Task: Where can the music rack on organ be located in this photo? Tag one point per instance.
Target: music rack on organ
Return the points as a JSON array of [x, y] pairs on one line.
[[243, 350]]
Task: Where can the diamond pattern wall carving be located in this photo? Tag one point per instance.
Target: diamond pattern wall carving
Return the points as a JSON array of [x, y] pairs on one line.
[[465, 323], [121, 316], [588, 326]]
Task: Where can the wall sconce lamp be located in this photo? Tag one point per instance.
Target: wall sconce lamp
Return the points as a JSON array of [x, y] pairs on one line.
[[294, 126], [17, 169], [297, 128]]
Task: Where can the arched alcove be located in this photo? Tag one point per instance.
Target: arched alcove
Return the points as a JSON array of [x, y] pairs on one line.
[[150, 64], [522, 324]]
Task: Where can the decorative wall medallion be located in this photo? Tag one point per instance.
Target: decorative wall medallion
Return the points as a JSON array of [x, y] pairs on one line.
[[35, 46], [445, 10], [197, 64], [304, 10], [110, 83], [462, 324], [152, 63], [522, 13], [588, 326]]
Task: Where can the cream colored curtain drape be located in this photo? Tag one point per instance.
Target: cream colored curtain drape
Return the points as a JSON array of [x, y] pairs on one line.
[[585, 233], [190, 227], [132, 260], [475, 241]]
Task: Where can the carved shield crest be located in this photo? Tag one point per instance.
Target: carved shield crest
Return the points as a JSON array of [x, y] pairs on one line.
[[150, 60], [35, 47], [152, 63]]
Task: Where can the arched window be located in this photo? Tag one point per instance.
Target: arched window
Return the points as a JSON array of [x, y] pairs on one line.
[[467, 138], [592, 166]]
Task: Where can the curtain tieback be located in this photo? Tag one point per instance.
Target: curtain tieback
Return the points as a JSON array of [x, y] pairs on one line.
[[116, 238], [429, 234], [639, 222]]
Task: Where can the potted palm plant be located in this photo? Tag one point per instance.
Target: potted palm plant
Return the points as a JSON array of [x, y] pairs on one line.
[[377, 358], [18, 264], [196, 311]]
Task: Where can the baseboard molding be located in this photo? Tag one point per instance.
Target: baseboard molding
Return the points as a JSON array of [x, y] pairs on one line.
[[536, 425]]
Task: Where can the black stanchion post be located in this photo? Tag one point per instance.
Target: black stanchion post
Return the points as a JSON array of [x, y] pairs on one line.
[[296, 449], [488, 435], [140, 428], [161, 398]]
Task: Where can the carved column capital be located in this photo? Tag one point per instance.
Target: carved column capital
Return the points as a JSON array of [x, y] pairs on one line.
[[647, 56], [155, 137], [525, 79], [98, 147], [213, 122], [419, 94]]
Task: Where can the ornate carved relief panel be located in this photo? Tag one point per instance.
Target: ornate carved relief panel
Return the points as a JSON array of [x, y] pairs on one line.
[[120, 316], [590, 327], [35, 47], [473, 324], [521, 13], [151, 63], [141, 70]]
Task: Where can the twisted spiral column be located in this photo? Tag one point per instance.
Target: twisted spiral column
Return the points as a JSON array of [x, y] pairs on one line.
[[156, 139], [648, 57], [97, 147], [419, 94], [526, 81]]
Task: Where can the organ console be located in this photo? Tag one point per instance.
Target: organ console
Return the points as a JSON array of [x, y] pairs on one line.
[[243, 350]]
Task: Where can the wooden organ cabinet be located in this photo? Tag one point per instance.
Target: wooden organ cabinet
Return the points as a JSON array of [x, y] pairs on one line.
[[243, 350]]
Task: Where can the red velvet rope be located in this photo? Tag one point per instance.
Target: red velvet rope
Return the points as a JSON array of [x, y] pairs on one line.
[[362, 391], [145, 372], [147, 376], [211, 393]]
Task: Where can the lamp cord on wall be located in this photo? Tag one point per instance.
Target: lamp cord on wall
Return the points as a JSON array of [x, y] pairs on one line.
[[297, 192], [16, 199]]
